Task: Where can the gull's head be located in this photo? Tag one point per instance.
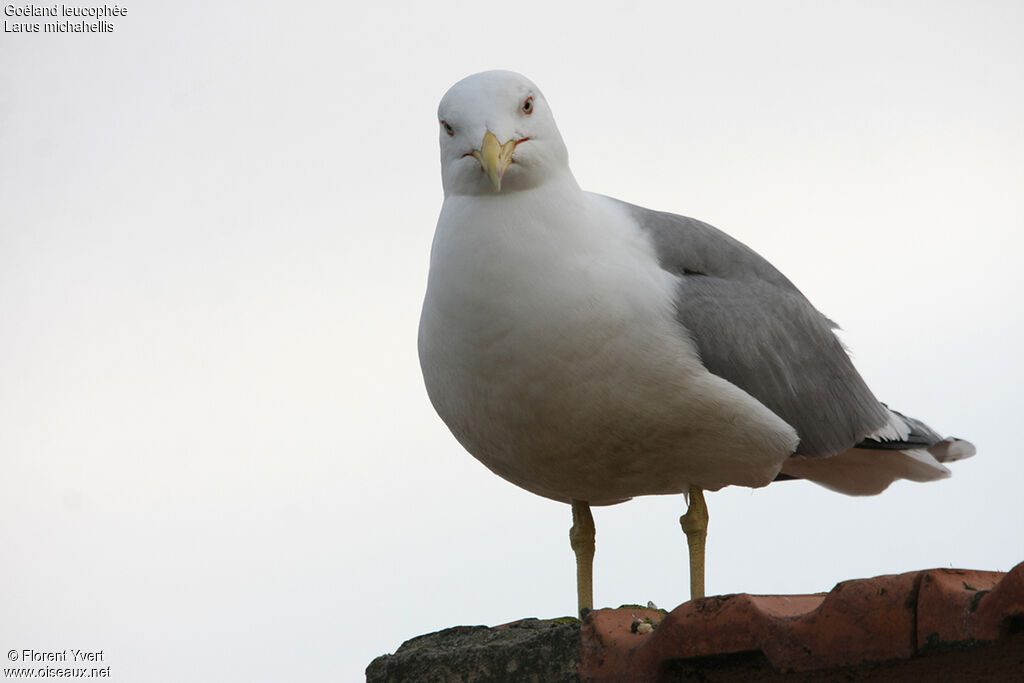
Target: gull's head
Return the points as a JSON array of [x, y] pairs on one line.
[[497, 136]]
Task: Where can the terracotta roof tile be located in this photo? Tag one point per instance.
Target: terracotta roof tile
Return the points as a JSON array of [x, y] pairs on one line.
[[947, 602], [881, 619]]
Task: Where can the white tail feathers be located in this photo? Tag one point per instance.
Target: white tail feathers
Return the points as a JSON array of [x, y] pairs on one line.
[[866, 472], [952, 449]]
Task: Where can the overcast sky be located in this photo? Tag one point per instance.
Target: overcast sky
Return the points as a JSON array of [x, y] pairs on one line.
[[218, 459]]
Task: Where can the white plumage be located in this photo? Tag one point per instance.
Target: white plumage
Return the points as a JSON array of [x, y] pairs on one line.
[[590, 351]]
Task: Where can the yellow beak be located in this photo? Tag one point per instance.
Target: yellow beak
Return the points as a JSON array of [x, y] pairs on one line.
[[494, 158]]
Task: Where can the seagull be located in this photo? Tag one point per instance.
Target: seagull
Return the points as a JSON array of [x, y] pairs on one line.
[[592, 351]]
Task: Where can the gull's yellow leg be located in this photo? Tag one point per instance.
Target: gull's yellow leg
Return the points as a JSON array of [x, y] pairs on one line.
[[695, 525], [581, 538]]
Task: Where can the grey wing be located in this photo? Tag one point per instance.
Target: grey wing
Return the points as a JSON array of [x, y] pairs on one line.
[[755, 329]]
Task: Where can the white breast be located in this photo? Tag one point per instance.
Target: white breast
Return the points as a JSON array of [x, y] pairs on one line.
[[549, 347]]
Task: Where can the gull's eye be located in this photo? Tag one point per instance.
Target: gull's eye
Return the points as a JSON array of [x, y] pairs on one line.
[[528, 106], [447, 128]]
